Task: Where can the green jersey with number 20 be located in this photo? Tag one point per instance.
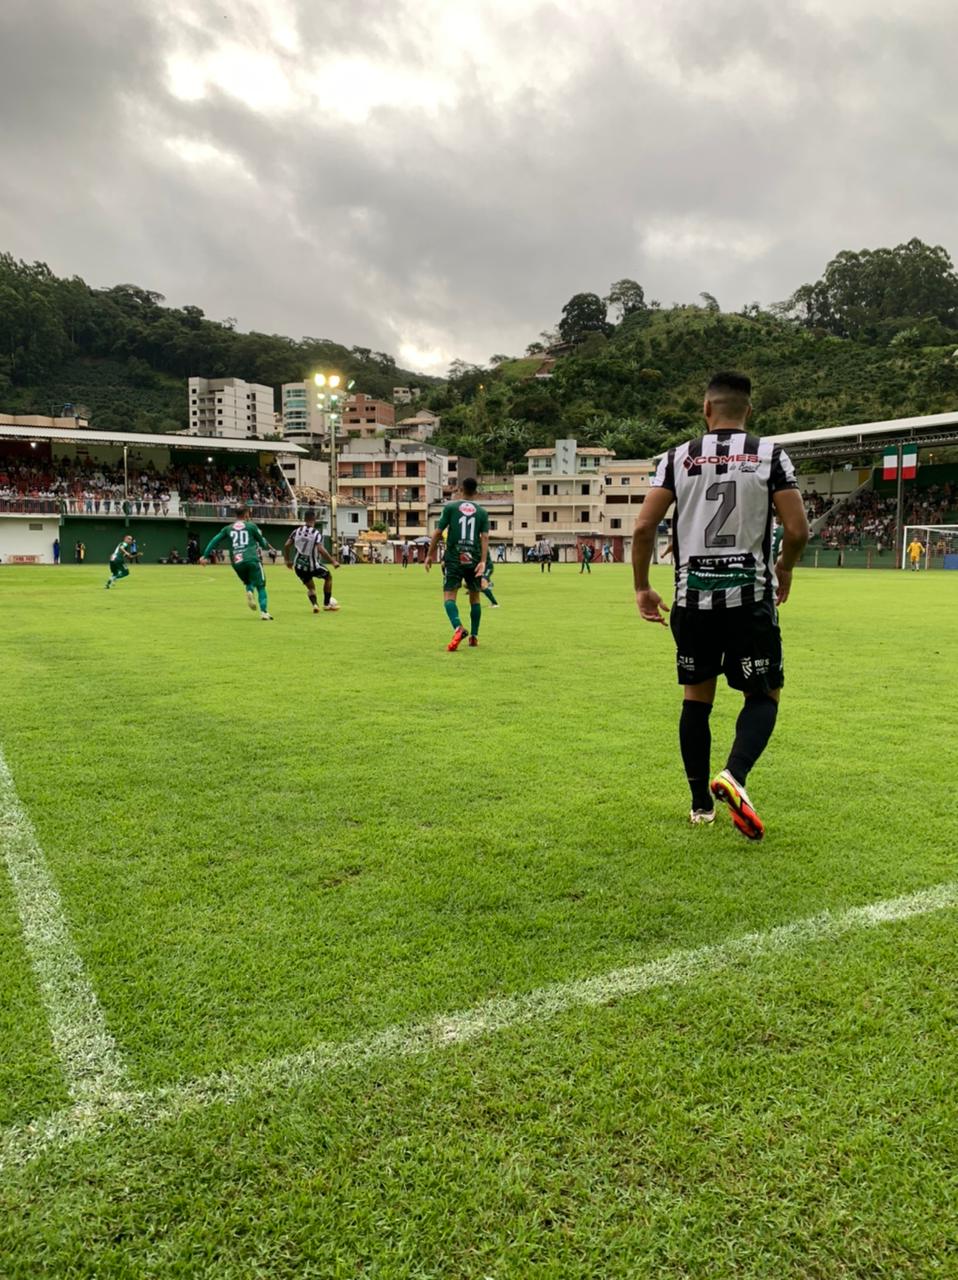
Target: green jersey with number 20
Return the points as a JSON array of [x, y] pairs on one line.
[[464, 523], [244, 537]]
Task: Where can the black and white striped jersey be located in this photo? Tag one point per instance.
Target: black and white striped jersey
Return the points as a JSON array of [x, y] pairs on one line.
[[307, 540], [723, 484]]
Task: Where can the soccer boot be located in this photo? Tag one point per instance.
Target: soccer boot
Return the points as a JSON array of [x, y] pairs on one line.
[[701, 817], [251, 600], [266, 617], [457, 638], [725, 788], [473, 641], [331, 608], [315, 608]]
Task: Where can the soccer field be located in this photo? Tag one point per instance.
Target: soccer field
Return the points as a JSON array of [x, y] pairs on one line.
[[324, 952]]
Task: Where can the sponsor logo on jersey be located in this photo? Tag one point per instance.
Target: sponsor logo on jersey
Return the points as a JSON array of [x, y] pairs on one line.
[[714, 460], [467, 508], [240, 524]]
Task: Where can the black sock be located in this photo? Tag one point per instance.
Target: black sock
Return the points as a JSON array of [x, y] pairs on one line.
[[327, 593], [695, 739], [753, 729]]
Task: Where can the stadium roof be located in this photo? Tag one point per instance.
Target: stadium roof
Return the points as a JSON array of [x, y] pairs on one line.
[[869, 437], [81, 435]]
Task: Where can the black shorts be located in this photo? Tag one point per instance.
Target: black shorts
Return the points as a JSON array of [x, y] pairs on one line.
[[744, 644], [308, 573]]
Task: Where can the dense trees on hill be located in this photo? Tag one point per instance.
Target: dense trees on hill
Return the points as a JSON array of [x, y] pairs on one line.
[[875, 337], [122, 349], [907, 295]]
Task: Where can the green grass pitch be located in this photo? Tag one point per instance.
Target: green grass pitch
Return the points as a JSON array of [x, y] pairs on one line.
[[266, 836]]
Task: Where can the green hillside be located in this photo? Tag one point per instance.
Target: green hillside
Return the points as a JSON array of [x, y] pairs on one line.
[[874, 338], [124, 356], [642, 387]]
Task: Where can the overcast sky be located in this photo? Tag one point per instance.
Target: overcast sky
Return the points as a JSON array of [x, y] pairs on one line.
[[436, 178]]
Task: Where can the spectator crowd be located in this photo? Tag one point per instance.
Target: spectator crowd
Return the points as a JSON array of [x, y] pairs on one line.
[[83, 488], [869, 519]]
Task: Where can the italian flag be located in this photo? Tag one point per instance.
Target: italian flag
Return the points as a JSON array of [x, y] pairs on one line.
[[909, 463]]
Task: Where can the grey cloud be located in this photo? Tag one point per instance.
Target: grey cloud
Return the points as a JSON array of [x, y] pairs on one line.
[[472, 229]]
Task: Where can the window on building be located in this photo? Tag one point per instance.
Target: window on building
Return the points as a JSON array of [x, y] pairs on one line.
[[493, 524], [585, 488], [637, 498], [524, 524], [546, 517], [412, 468], [354, 517], [583, 517], [357, 471], [524, 488], [608, 479], [615, 524], [386, 470], [625, 480]]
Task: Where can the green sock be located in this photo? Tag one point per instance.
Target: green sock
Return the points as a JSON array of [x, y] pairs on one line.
[[452, 613], [489, 596], [263, 605], [475, 614]]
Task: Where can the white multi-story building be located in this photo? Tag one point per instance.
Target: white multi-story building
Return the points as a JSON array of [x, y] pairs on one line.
[[231, 408], [303, 420]]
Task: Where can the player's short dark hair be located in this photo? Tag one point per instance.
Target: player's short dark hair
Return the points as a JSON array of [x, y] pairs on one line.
[[470, 485], [309, 514], [737, 383], [242, 510], [732, 392]]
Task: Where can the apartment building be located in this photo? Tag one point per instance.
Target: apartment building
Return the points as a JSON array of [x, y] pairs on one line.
[[230, 407], [562, 495], [303, 422], [625, 485], [364, 417], [421, 426], [405, 395], [396, 479]]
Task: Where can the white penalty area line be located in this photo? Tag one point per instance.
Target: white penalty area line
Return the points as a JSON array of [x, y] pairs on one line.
[[88, 1055], [92, 1117]]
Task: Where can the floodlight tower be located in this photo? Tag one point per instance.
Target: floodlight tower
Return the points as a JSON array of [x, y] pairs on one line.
[[329, 400]]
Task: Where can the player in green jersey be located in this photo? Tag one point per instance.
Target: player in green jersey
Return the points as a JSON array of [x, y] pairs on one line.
[[466, 526], [244, 540], [124, 551]]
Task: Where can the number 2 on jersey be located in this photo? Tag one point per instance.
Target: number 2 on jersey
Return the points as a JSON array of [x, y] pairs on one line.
[[240, 538], [722, 491]]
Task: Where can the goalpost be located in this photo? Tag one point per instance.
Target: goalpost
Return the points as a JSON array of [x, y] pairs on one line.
[[940, 542]]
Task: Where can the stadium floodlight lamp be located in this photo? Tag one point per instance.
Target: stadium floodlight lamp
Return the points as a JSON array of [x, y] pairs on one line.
[[320, 379], [334, 379]]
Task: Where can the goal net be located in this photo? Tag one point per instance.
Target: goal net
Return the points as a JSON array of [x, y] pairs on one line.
[[939, 546]]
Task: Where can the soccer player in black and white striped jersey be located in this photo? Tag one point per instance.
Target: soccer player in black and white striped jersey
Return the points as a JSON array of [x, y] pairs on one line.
[[725, 485], [304, 553]]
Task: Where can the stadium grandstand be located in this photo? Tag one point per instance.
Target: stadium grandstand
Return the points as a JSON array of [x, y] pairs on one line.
[[860, 508], [77, 485]]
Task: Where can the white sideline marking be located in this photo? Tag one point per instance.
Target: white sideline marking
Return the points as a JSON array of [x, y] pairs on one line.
[[20, 1144], [91, 1063]]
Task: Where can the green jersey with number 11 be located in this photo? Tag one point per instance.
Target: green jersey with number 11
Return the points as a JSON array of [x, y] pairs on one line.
[[244, 538], [464, 523]]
